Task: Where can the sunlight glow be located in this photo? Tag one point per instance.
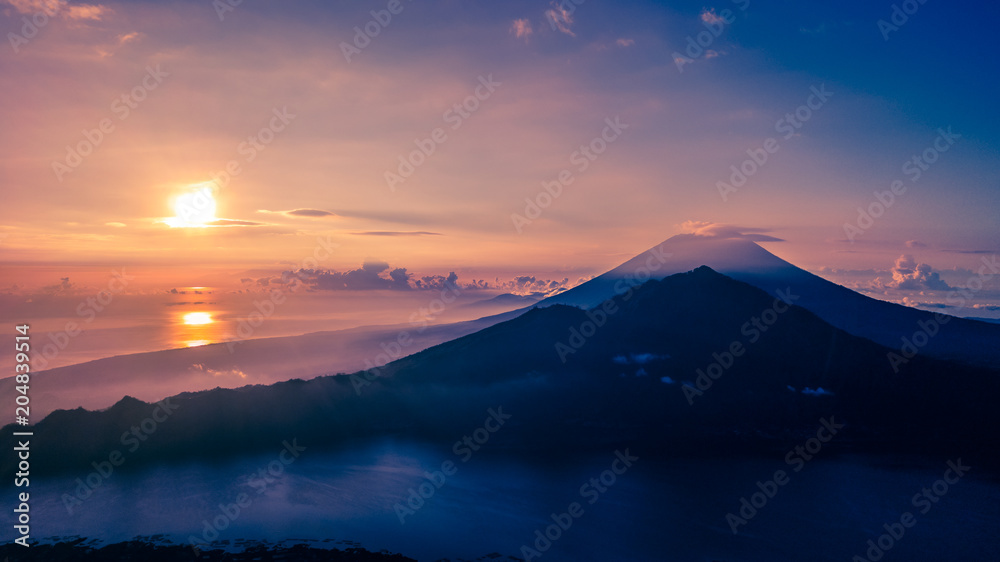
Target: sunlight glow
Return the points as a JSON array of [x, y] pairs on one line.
[[195, 209], [197, 318]]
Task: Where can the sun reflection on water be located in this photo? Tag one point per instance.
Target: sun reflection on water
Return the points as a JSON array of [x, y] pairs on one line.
[[193, 329]]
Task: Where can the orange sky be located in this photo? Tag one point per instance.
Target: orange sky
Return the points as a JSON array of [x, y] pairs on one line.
[[182, 95]]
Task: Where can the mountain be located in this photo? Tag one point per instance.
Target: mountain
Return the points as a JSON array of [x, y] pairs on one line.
[[151, 376], [969, 341], [693, 362], [507, 300]]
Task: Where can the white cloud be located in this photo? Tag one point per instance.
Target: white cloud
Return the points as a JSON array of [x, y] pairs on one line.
[[907, 274]]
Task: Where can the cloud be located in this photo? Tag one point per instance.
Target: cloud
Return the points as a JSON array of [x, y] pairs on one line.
[[560, 18], [308, 213], [64, 287], [233, 222], [87, 12], [121, 40], [116, 224], [436, 281], [521, 28], [909, 275], [375, 274], [975, 252], [57, 7], [720, 230], [915, 244], [395, 233], [527, 284], [50, 7], [638, 358], [371, 275], [710, 17], [623, 42]]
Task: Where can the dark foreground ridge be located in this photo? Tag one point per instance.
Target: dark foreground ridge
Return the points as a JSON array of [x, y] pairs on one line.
[[147, 551]]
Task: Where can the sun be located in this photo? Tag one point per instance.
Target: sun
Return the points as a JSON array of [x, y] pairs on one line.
[[195, 208], [197, 318]]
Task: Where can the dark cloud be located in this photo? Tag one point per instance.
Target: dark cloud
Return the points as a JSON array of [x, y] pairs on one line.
[[64, 287], [436, 281], [371, 275], [375, 274], [308, 213], [977, 252]]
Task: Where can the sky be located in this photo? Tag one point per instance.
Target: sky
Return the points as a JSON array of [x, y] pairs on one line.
[[506, 142]]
